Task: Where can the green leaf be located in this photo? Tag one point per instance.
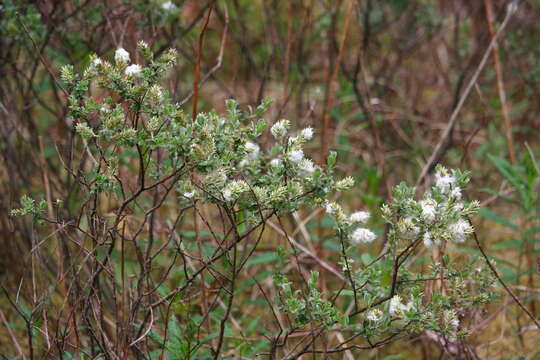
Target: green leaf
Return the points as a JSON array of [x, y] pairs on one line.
[[394, 357], [366, 258], [532, 231], [492, 216], [262, 259], [332, 245], [386, 278], [509, 174], [499, 195], [515, 243], [331, 160]]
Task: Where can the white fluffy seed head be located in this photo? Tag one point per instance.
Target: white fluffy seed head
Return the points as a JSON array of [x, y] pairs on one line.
[[295, 156], [428, 242], [363, 236], [168, 6], [189, 194], [307, 133], [121, 55], [96, 61], [374, 315], [228, 195], [133, 70], [307, 167], [459, 230], [429, 209], [275, 163], [279, 129], [444, 180], [360, 217], [329, 207], [252, 150]]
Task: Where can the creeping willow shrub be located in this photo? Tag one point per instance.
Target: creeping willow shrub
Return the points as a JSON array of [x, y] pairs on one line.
[[142, 153]]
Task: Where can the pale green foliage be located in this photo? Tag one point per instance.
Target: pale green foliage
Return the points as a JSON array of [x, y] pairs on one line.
[[215, 159], [29, 207], [441, 214]]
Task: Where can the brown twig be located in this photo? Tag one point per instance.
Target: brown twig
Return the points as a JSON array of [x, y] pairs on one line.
[[442, 145], [329, 98], [500, 84], [506, 287], [197, 72]]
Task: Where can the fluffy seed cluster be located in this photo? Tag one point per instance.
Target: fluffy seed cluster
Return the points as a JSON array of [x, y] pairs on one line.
[[306, 167], [189, 194], [233, 190], [360, 217], [451, 320], [252, 150], [429, 240], [440, 215], [374, 315], [459, 230], [168, 6], [307, 133], [133, 70], [396, 306], [444, 180], [295, 156], [280, 128], [121, 56], [429, 209], [275, 163], [363, 236]]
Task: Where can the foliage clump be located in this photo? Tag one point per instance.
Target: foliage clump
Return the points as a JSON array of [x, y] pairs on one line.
[[143, 148]]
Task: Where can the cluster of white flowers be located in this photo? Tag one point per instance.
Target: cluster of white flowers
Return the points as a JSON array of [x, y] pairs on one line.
[[96, 61], [363, 236], [429, 209], [307, 133], [275, 162], [306, 167], [374, 315], [133, 70], [396, 306], [429, 240], [295, 156], [450, 318], [442, 212], [360, 217], [359, 235], [228, 195], [280, 128], [444, 180], [168, 6], [252, 150], [233, 190], [121, 55], [330, 207], [456, 193], [459, 230]]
